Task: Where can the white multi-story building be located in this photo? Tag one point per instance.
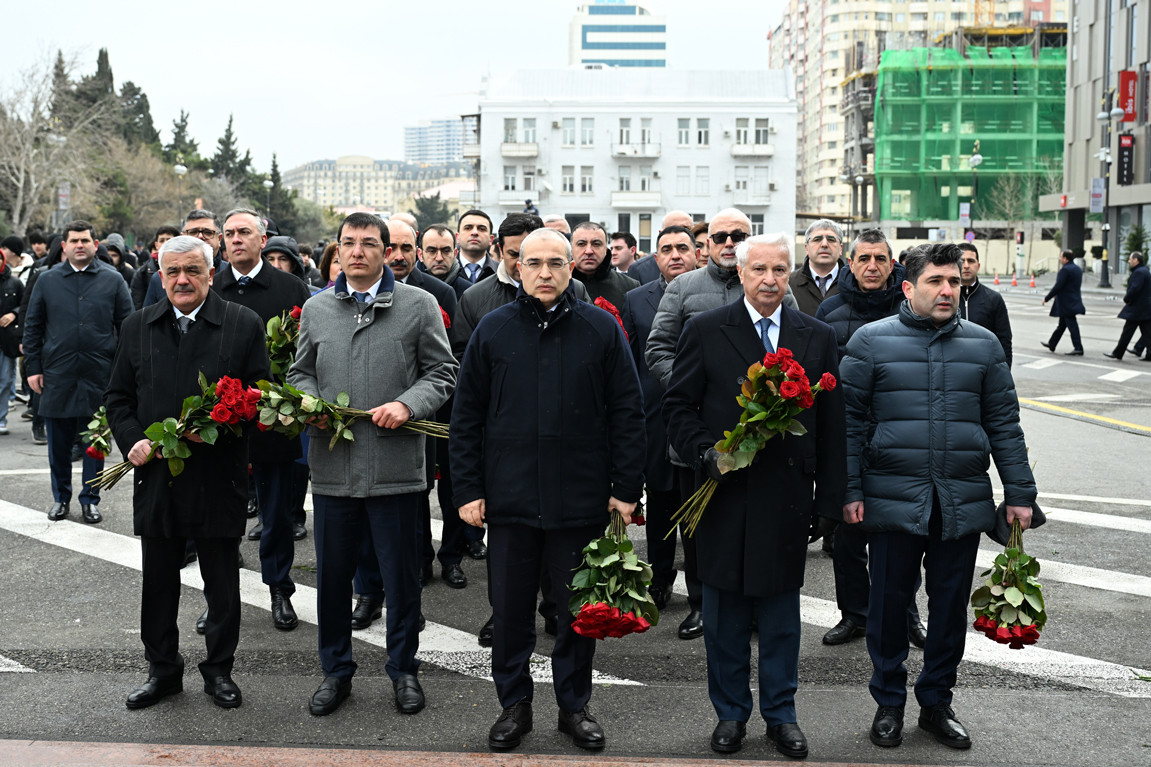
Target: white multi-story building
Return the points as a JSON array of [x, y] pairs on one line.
[[435, 142], [356, 182], [622, 147], [617, 33]]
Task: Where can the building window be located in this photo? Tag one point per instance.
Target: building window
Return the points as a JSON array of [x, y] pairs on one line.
[[509, 130], [900, 18], [741, 130], [625, 130], [682, 180], [644, 240], [741, 175], [702, 180], [509, 178], [587, 131], [567, 179], [624, 222], [759, 180], [645, 178], [756, 223], [684, 133], [762, 131], [625, 178], [645, 137], [529, 178], [703, 131], [530, 130], [585, 179], [569, 133]]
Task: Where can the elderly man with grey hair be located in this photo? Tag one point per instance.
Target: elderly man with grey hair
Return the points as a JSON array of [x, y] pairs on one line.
[[751, 544], [558, 222], [163, 350], [818, 278]]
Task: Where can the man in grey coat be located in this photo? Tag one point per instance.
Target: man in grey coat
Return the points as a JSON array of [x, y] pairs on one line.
[[384, 344], [70, 333]]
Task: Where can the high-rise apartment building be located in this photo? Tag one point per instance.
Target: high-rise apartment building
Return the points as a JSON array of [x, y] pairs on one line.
[[825, 42], [617, 33], [435, 142]]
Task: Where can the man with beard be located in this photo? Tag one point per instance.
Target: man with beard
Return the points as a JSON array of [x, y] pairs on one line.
[[593, 266], [818, 279], [474, 237]]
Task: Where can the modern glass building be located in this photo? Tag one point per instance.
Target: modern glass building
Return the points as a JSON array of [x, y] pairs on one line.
[[617, 33]]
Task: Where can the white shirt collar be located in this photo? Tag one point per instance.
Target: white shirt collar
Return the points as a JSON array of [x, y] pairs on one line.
[[255, 269], [190, 315], [372, 291], [80, 270], [831, 275], [775, 317]]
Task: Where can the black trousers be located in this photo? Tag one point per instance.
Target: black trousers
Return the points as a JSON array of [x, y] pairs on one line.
[[275, 490], [1129, 328], [160, 604], [516, 554], [1071, 324]]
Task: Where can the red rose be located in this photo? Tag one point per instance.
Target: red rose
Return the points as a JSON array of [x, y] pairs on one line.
[[92, 452], [806, 400], [295, 313], [248, 411], [1030, 634], [789, 390], [609, 307], [785, 354], [261, 426], [253, 395], [1002, 635], [638, 520], [230, 397], [827, 382], [220, 413], [770, 360], [447, 320], [793, 370]]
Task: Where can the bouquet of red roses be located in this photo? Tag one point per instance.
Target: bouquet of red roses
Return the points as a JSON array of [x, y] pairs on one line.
[[772, 396], [610, 587], [1009, 606], [220, 406], [280, 335], [98, 435]]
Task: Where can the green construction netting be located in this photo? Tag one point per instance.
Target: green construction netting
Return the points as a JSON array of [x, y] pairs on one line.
[[932, 104]]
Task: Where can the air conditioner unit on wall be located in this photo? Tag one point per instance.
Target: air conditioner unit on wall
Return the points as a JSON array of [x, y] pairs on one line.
[[772, 187], [555, 124], [727, 187], [771, 129]]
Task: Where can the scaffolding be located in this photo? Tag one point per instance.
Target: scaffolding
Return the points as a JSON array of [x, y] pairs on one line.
[[933, 104]]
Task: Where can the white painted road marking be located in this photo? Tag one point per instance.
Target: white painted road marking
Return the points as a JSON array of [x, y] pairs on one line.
[[9, 666], [1119, 376]]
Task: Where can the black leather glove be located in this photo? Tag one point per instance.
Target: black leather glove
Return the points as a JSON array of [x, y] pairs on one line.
[[710, 460], [821, 528]]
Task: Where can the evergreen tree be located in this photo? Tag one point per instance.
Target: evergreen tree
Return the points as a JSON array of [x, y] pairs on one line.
[[225, 162], [431, 210], [97, 88], [64, 106], [182, 148], [281, 207], [136, 117]]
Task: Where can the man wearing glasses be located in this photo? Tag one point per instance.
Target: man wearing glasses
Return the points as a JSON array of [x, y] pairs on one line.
[[818, 278], [716, 285], [437, 251], [200, 224]]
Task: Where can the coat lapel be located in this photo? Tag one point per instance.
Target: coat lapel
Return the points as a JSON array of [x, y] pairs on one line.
[[793, 333], [741, 334]]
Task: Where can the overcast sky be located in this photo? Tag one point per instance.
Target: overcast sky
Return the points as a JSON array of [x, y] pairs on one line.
[[313, 80]]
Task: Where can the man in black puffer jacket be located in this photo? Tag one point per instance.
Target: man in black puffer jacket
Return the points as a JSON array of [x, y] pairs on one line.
[[871, 289], [980, 304], [930, 400]]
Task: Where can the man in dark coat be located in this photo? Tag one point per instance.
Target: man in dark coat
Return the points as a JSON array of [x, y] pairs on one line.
[[473, 238], [1068, 302], [818, 278], [70, 333], [547, 439], [675, 252], [981, 305], [1137, 305], [593, 265], [250, 281], [752, 540], [930, 401], [162, 352], [437, 251]]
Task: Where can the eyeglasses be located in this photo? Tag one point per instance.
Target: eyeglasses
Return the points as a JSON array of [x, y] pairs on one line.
[[831, 238], [368, 244], [719, 238], [444, 251], [535, 264], [203, 232]]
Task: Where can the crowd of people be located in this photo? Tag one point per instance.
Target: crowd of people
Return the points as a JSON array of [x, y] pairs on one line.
[[560, 415]]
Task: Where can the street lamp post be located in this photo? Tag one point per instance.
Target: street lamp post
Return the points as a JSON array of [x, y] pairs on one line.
[[974, 161], [268, 197], [1105, 118], [180, 170]]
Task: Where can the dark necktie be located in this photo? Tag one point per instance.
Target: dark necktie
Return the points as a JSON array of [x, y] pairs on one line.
[[244, 281], [764, 324], [822, 282], [184, 323], [363, 298]]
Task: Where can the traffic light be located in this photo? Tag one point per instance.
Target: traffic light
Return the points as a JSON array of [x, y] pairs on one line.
[[1019, 238]]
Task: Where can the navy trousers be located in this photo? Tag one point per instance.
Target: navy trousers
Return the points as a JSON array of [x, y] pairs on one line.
[[516, 554], [1069, 323], [392, 522], [727, 636], [275, 491], [949, 567], [852, 586], [61, 436]]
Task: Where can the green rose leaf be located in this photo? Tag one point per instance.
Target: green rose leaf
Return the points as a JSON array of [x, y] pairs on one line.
[[175, 466], [1013, 596], [342, 399]]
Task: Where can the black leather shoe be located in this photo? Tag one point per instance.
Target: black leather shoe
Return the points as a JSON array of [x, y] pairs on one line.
[[154, 690], [366, 613], [283, 614], [940, 721], [202, 622], [477, 550], [329, 695], [887, 727], [659, 595], [514, 723], [1073, 353], [586, 732], [253, 508], [299, 532], [551, 627], [77, 453], [239, 559], [427, 575], [917, 634], [57, 512], [256, 532], [409, 694], [39, 435], [487, 631], [728, 735], [692, 626], [1111, 356], [789, 740], [225, 693], [91, 515], [843, 632], [454, 575], [1047, 346]]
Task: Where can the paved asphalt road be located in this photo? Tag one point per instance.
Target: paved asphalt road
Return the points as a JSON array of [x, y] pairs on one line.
[[70, 649]]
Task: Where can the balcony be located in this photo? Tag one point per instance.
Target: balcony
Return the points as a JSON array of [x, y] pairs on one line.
[[470, 198], [753, 150], [515, 197], [751, 197], [636, 200], [635, 150], [520, 149], [471, 151]]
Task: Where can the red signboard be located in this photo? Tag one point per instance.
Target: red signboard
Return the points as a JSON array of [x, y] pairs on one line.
[[1128, 86]]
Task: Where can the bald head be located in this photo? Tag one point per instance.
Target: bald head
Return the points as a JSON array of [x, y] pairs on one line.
[[733, 226], [407, 218], [676, 218]]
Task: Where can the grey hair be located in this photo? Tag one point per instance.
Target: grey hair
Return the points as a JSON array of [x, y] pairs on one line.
[[187, 244], [549, 218], [824, 223], [779, 239], [261, 227], [546, 234], [198, 214]]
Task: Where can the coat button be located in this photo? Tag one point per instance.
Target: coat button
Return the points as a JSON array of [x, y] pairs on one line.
[[790, 461]]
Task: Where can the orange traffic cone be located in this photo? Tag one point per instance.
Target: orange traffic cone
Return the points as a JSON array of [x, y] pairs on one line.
[[997, 278], [1014, 281], [1032, 279]]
